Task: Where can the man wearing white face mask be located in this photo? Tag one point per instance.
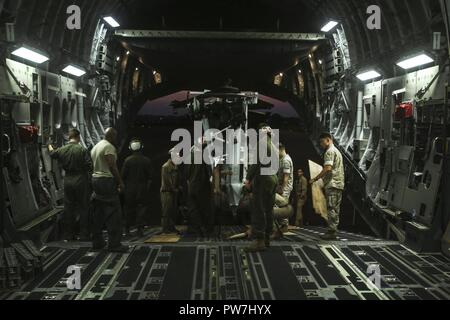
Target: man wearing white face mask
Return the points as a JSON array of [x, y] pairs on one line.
[[137, 176]]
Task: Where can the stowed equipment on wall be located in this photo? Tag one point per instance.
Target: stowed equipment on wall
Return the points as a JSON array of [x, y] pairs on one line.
[[394, 142]]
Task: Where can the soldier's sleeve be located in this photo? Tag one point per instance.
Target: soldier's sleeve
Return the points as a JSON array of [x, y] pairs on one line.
[[110, 150], [286, 166], [329, 158]]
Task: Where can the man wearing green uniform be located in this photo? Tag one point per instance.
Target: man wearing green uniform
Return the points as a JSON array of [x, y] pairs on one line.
[[263, 188], [285, 187], [170, 188], [137, 176], [77, 164], [334, 182], [200, 198]]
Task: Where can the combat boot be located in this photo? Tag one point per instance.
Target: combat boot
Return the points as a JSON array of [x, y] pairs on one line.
[[284, 229], [257, 245], [299, 223]]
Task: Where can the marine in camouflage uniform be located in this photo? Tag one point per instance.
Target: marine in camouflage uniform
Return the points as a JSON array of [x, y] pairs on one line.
[[334, 182], [77, 164], [285, 187]]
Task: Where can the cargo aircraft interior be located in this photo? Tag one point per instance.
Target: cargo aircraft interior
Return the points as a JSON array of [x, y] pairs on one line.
[[94, 206]]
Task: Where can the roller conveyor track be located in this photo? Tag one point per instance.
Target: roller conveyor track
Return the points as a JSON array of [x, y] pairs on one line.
[[299, 267]]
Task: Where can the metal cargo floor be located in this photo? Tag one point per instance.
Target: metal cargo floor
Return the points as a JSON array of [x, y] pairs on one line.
[[300, 267]]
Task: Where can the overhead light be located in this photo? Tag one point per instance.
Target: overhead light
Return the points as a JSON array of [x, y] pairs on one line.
[[112, 22], [281, 74], [154, 72], [310, 56], [416, 61], [320, 61], [368, 75], [399, 91], [128, 52], [118, 59], [329, 26], [137, 69], [76, 71], [299, 71], [30, 55]]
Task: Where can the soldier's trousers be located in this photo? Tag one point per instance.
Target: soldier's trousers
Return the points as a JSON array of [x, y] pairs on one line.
[[299, 212], [334, 199], [201, 214], [135, 205], [281, 202], [107, 212], [169, 206], [135, 214], [76, 205], [262, 203]]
